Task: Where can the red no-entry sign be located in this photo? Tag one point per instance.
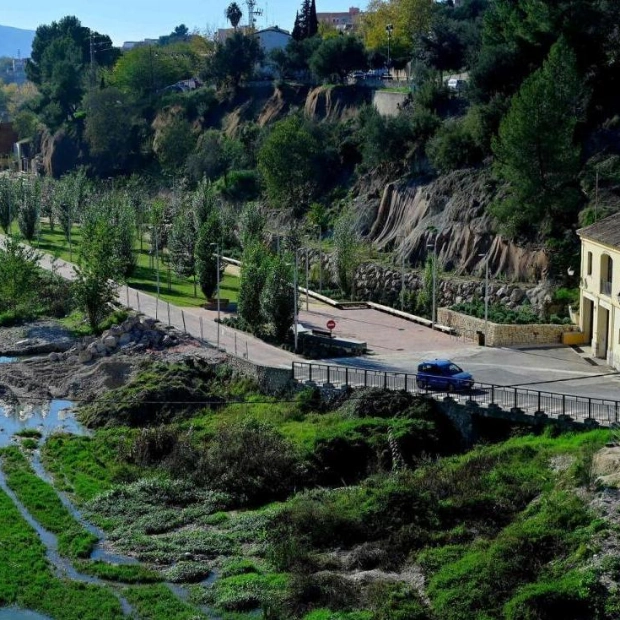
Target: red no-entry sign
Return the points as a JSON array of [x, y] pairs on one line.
[[331, 324]]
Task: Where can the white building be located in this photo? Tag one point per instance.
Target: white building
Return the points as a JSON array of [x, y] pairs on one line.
[[272, 38], [599, 304]]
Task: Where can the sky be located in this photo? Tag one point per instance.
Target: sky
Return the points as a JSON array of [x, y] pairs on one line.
[[134, 20]]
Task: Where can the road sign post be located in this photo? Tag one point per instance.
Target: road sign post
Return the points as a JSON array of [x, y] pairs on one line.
[[330, 325]]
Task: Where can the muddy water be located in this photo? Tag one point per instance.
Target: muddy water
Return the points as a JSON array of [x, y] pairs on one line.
[[54, 416]]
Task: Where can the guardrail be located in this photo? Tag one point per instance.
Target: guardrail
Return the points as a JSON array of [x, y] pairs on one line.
[[532, 402]]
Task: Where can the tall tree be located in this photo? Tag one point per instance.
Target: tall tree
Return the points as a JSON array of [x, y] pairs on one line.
[[297, 34], [60, 54], [313, 22], [290, 162], [536, 150], [233, 14], [277, 300], [208, 243], [234, 60], [335, 58]]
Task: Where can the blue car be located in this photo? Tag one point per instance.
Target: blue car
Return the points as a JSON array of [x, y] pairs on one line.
[[443, 375]]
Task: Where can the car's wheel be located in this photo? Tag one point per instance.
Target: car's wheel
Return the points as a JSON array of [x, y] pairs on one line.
[[422, 385]]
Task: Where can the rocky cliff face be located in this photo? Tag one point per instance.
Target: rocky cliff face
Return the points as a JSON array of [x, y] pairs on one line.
[[336, 103], [409, 215]]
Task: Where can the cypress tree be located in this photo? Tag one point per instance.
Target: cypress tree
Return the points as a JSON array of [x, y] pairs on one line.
[[313, 22], [297, 28]]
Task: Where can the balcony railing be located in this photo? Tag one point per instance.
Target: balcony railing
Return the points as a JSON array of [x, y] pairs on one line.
[[605, 287]]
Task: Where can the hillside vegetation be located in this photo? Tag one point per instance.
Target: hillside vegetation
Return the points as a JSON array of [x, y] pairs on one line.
[[364, 508], [537, 111]]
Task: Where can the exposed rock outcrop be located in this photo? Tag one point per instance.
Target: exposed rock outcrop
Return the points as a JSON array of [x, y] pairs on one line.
[[454, 209], [336, 103]]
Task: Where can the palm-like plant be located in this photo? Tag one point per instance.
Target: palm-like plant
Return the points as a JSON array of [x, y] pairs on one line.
[[233, 14]]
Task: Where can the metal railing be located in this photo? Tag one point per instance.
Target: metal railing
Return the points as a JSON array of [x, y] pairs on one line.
[[531, 402]]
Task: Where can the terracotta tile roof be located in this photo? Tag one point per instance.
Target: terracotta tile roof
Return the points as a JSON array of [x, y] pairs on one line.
[[607, 231]]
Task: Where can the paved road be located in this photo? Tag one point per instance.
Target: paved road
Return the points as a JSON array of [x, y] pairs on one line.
[[395, 345], [399, 345]]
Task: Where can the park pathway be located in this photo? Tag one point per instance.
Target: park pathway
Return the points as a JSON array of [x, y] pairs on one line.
[[198, 322]]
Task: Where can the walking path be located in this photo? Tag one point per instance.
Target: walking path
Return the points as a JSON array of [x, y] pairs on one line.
[[197, 322]]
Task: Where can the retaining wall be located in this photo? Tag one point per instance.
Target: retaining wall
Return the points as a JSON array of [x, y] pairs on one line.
[[503, 335], [272, 380]]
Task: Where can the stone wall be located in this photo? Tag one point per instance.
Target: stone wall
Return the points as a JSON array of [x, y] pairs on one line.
[[500, 335], [272, 380], [382, 284]]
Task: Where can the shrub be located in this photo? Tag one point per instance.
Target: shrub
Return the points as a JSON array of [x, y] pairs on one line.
[[251, 461], [453, 147]]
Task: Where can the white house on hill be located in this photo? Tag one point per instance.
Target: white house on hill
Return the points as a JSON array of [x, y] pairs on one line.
[[272, 38]]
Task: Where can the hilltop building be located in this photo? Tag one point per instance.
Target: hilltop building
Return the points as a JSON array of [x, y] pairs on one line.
[[342, 21]]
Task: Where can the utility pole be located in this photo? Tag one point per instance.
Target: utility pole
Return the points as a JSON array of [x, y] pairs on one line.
[[307, 279], [402, 274], [295, 301]]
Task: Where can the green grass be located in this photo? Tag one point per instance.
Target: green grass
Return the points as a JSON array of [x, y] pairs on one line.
[[247, 591], [174, 289], [157, 602], [121, 573], [27, 581], [45, 506], [85, 466]]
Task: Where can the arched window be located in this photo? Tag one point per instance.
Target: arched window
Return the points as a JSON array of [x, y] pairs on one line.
[[607, 271]]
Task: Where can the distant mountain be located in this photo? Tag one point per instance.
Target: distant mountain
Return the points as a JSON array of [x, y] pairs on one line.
[[15, 41]]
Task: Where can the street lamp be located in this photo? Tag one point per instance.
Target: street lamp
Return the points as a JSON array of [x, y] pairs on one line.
[[402, 274], [295, 301], [433, 246], [389, 29], [486, 296], [217, 275]]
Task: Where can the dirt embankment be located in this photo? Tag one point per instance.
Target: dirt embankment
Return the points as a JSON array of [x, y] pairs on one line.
[[43, 377]]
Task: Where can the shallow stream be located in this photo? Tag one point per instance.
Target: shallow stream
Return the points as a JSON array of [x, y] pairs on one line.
[[58, 416]]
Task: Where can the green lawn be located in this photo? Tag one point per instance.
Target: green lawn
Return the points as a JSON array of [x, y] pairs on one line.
[[172, 288]]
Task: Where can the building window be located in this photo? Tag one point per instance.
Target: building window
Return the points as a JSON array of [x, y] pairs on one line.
[[607, 270], [589, 263]]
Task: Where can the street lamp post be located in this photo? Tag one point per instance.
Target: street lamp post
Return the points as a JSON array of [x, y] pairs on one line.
[[217, 275], [402, 275], [486, 296], [433, 246], [307, 279], [295, 301], [389, 29], [320, 258]]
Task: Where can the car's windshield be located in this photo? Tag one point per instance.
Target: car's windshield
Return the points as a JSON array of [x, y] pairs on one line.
[[453, 369]]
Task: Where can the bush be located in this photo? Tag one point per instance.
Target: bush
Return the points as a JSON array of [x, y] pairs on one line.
[[251, 461], [453, 147], [525, 315]]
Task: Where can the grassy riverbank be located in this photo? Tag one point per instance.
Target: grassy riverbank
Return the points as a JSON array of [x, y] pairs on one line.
[[366, 508]]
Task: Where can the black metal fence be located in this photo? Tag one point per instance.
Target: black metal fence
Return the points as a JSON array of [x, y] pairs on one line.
[[579, 408]]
